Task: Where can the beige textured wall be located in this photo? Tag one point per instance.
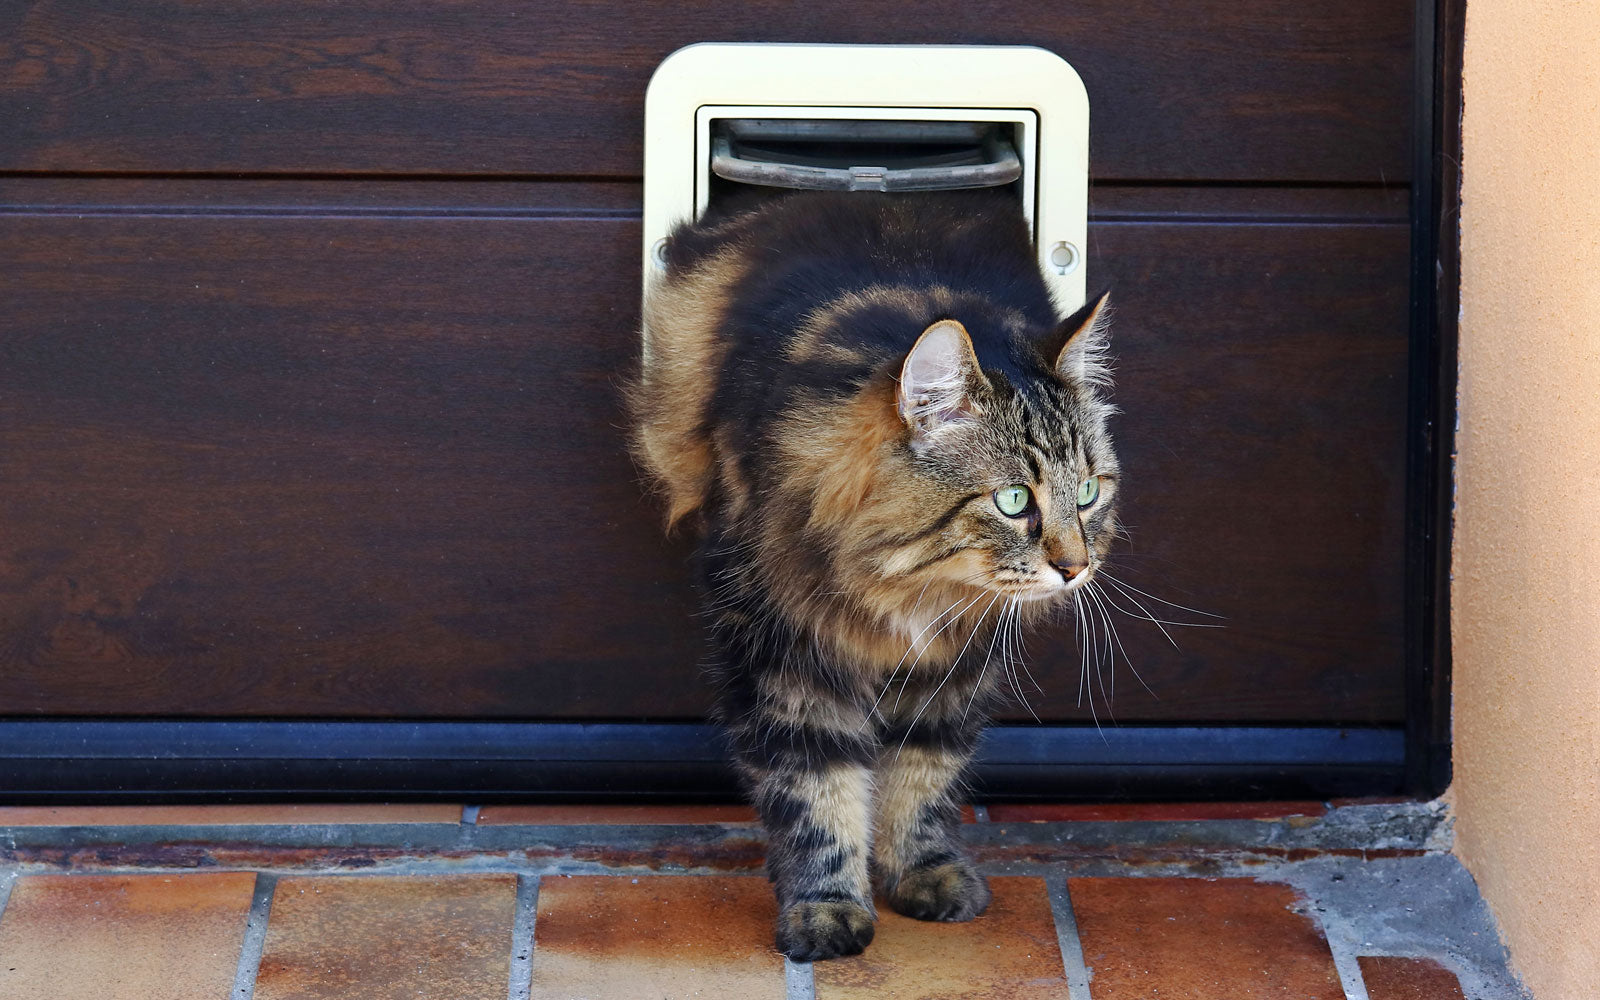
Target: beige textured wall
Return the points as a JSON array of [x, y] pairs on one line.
[[1526, 609]]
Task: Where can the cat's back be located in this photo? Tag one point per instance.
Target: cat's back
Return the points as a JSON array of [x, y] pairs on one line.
[[808, 295], [806, 249]]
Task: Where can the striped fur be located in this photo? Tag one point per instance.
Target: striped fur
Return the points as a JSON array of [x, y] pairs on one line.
[[834, 389]]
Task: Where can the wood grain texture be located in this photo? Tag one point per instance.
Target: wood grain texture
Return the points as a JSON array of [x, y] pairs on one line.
[[373, 466], [349, 467], [1188, 90], [1262, 374]]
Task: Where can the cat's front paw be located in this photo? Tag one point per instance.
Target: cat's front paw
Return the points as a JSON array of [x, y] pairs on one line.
[[808, 932], [951, 891]]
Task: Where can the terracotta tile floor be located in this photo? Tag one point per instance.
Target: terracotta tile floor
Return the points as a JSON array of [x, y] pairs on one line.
[[1354, 900]]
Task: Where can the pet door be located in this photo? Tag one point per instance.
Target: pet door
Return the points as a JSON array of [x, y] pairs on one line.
[[728, 121], [843, 154]]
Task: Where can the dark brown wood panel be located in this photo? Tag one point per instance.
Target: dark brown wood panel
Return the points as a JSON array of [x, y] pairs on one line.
[[1262, 374], [1186, 90], [372, 466], [341, 467], [1250, 204], [393, 197]]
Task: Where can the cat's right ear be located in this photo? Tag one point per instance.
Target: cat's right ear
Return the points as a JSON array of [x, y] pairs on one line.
[[938, 377], [1080, 345]]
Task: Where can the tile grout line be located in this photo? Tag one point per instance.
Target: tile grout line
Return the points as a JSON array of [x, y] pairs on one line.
[[522, 943], [1067, 938], [7, 880], [255, 937], [980, 814], [469, 815], [1342, 945], [799, 980], [1345, 964]]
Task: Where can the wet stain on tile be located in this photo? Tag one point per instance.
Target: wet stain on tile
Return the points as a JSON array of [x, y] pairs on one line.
[[738, 851], [124, 937], [1011, 951], [615, 937], [1391, 978], [389, 937], [1201, 938]]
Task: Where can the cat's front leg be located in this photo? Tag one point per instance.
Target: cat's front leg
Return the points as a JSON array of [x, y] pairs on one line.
[[818, 842], [921, 864], [803, 745], [806, 757]]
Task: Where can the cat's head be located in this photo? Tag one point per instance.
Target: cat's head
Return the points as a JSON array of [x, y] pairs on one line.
[[1002, 474]]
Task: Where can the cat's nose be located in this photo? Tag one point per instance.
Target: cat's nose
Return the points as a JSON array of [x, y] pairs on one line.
[[1069, 570]]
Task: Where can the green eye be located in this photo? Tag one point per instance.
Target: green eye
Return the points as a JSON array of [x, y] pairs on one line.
[[1089, 491], [1012, 500]]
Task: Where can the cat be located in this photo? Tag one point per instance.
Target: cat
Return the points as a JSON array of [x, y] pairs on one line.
[[894, 452]]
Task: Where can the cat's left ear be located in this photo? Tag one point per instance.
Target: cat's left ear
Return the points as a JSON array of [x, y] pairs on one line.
[[938, 377], [1080, 345]]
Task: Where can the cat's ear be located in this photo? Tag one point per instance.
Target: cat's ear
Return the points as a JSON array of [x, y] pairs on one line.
[[938, 378], [1081, 345]]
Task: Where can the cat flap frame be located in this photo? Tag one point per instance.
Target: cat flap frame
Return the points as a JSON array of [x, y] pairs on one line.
[[1035, 91]]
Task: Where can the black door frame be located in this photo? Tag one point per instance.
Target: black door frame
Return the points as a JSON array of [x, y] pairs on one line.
[[1435, 306]]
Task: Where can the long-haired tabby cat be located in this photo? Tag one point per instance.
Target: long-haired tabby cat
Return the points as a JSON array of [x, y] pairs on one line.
[[888, 441]]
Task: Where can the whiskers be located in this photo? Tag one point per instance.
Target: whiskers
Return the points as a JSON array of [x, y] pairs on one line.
[[1007, 633], [1100, 642], [1128, 592], [1099, 609], [1005, 641], [966, 605], [954, 666], [1013, 657]]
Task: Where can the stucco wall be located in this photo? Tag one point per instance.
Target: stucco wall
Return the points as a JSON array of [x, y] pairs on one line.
[[1526, 614]]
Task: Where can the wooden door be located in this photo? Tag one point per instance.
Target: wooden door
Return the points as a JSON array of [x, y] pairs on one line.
[[312, 319]]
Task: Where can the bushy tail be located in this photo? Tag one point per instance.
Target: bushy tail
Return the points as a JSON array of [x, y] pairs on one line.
[[670, 398]]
